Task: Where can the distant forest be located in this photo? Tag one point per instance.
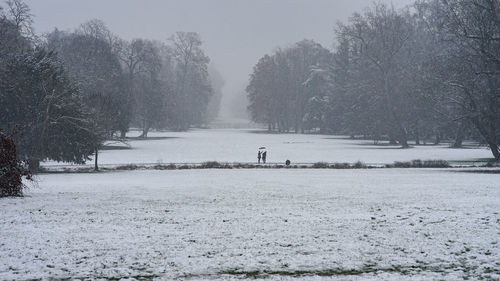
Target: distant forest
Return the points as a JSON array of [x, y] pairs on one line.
[[64, 93], [428, 72]]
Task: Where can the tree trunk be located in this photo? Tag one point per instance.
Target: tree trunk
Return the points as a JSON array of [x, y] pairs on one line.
[[495, 151], [145, 132], [34, 165], [459, 136], [417, 133], [392, 139], [489, 137], [438, 138], [123, 134], [403, 138], [96, 166], [494, 148], [145, 129]]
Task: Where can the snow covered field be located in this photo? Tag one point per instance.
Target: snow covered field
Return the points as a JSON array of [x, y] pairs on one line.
[[390, 224], [241, 146]]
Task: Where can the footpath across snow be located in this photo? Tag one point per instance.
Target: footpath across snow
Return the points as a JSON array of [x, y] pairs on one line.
[[390, 224]]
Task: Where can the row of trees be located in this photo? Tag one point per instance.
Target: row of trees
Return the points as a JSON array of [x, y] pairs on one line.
[[432, 69], [147, 83], [65, 93]]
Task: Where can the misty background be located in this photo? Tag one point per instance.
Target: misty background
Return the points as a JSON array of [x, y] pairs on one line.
[[235, 34]]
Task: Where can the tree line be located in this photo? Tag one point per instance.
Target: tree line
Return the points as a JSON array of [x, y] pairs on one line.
[[431, 70], [64, 93]]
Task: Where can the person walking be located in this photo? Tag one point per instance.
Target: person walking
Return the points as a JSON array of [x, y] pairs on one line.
[[264, 156], [259, 155]]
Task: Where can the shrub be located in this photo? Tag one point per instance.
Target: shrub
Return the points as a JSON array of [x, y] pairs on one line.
[[417, 163], [210, 165], [420, 164], [225, 166], [398, 164], [243, 166], [164, 167], [320, 165], [12, 170], [171, 167], [341, 166], [359, 165], [436, 164], [128, 167]]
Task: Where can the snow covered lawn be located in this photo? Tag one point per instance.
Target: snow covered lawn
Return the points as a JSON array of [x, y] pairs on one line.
[[391, 224], [232, 145]]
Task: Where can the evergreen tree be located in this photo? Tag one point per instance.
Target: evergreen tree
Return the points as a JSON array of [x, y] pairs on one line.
[[44, 106]]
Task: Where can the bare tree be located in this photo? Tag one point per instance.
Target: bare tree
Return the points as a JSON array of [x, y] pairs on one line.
[[470, 30], [382, 34], [20, 14], [192, 89]]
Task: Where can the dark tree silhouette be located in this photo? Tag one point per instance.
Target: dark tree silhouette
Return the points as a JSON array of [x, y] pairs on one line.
[[11, 170]]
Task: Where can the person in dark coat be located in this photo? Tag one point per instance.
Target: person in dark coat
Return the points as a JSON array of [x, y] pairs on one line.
[[264, 155], [259, 156]]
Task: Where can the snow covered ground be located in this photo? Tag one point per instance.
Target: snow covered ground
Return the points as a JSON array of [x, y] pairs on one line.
[[389, 224], [241, 146]]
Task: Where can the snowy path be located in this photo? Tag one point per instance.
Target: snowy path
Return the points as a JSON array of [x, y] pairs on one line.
[[227, 224]]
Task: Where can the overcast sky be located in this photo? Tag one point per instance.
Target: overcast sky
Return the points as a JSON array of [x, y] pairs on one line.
[[236, 33]]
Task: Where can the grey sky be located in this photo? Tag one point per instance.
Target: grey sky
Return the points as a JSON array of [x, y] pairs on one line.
[[236, 33]]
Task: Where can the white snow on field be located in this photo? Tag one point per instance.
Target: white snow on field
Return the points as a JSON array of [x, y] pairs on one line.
[[389, 224], [241, 146]]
